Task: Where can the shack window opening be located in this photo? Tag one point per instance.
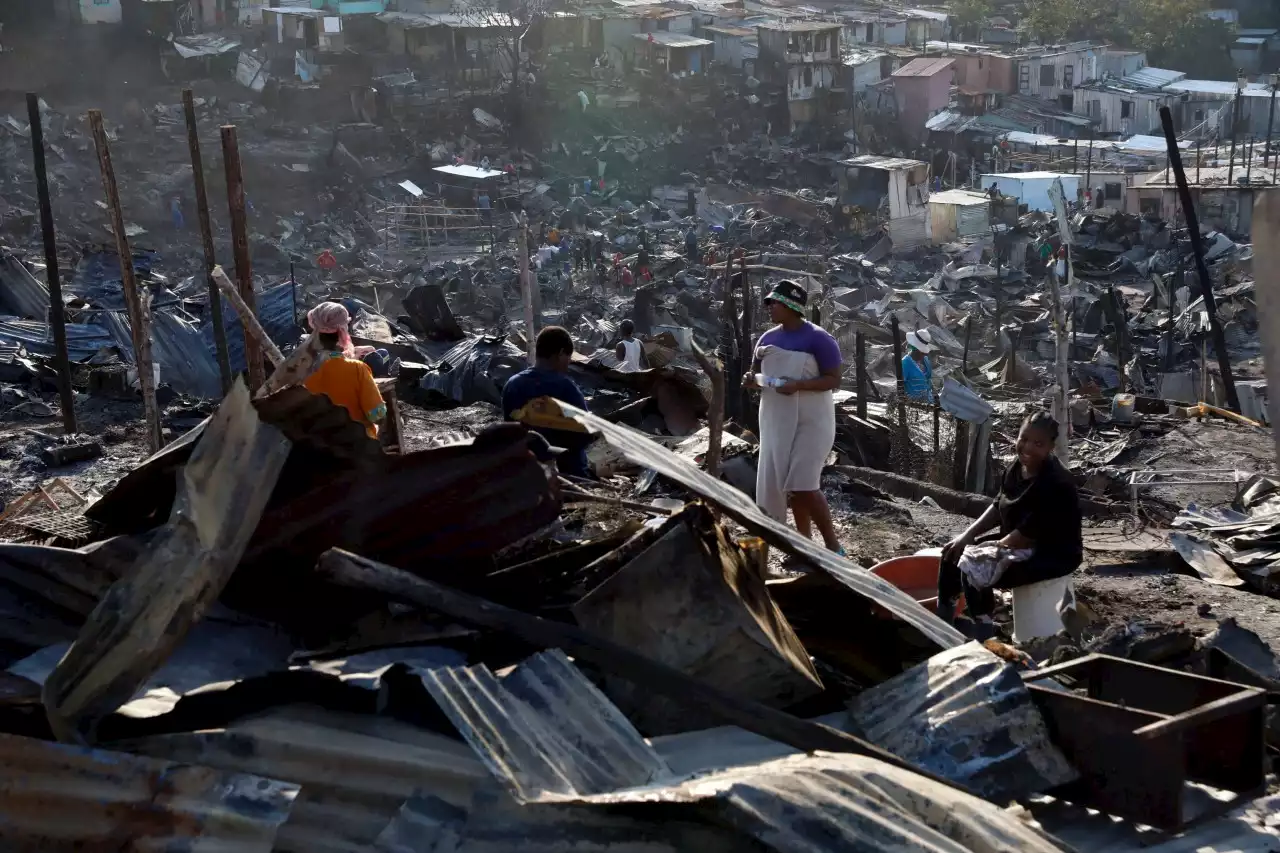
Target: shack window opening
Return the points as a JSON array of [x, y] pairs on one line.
[[808, 77], [1047, 76], [1126, 109], [1112, 189]]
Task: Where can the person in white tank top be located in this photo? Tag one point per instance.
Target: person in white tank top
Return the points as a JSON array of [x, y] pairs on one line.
[[629, 351]]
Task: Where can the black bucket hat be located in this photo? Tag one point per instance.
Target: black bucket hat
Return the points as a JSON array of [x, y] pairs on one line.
[[790, 294]]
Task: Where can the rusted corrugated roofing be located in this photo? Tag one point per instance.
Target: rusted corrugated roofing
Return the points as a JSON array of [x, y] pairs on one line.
[[924, 67], [544, 728], [59, 797], [355, 770]]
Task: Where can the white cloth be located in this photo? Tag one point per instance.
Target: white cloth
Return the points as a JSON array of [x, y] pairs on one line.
[[984, 565], [632, 349], [797, 431]]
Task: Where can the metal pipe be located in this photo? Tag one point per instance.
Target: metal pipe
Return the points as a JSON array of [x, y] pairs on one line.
[[240, 244], [206, 237], [1271, 120], [57, 311], [137, 317], [1197, 247]]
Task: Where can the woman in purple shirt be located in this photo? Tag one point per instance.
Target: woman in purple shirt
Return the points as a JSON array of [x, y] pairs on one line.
[[799, 366]]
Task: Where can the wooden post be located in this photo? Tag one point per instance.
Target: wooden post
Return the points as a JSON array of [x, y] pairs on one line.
[[937, 425], [968, 333], [715, 415], [1266, 218], [57, 311], [1197, 247], [904, 437], [137, 318], [252, 328], [860, 372], [526, 286], [240, 243], [206, 237]]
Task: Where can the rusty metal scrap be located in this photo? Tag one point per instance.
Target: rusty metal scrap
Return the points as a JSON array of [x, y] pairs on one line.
[[58, 797], [144, 615]]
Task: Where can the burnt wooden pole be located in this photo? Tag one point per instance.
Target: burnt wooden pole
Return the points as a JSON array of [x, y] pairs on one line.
[[137, 315], [57, 311], [968, 334], [240, 244], [860, 372], [1202, 269], [206, 237], [904, 438]]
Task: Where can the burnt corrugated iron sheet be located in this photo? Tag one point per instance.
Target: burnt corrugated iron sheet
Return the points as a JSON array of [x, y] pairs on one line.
[[60, 797], [460, 502], [97, 276], [355, 770], [83, 339], [475, 370], [186, 364], [143, 497], [21, 293], [274, 307], [646, 453], [544, 728], [965, 715]]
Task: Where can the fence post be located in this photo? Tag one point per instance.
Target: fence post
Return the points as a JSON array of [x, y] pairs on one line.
[[860, 372], [904, 438]]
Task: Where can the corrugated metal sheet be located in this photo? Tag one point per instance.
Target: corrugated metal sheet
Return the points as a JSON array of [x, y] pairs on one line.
[[1249, 829], [965, 715], [97, 277], [475, 370], [21, 293], [274, 307], [83, 340], [646, 453], [59, 797], [545, 729], [973, 220], [355, 770], [828, 802], [908, 232], [925, 67], [964, 403], [177, 346], [1152, 78]]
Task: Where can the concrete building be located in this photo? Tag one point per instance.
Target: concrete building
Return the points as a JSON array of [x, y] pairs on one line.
[[978, 68], [899, 187], [1053, 72], [922, 88], [1129, 105], [1032, 188], [803, 58]]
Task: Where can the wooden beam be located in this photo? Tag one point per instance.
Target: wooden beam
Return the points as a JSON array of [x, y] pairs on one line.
[[141, 333]]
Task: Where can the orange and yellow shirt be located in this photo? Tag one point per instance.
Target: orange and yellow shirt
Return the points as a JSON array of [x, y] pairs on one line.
[[349, 383]]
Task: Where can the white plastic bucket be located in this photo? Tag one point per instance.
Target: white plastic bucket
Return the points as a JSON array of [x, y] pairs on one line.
[[1035, 608], [1122, 408]]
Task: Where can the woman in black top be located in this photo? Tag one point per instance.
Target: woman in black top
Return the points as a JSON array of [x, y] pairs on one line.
[[1037, 509]]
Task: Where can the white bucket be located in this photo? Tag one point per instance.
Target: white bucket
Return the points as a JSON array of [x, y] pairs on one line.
[[1035, 608], [1122, 408]]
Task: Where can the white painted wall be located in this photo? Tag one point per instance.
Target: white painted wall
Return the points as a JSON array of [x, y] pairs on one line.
[[99, 12]]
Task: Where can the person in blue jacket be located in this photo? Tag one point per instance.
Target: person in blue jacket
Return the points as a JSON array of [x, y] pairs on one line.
[[917, 372]]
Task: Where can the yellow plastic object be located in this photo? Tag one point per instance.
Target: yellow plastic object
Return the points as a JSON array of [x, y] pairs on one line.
[[545, 412]]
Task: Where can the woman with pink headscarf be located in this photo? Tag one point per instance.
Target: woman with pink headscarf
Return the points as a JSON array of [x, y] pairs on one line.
[[344, 379]]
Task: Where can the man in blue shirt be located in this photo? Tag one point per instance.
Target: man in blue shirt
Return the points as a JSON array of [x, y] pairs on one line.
[[917, 372], [553, 352]]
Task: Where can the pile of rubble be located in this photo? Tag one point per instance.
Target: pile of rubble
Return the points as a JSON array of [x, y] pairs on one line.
[[281, 637]]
